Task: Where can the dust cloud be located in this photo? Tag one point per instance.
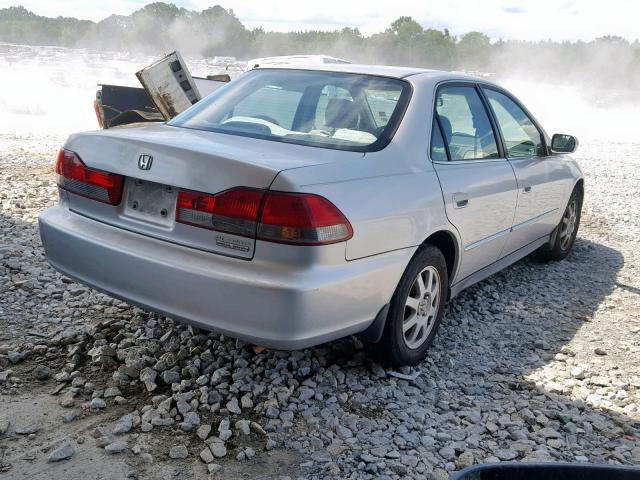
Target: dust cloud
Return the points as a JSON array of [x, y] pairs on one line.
[[50, 90]]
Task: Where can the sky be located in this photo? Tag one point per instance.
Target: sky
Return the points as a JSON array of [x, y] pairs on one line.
[[507, 19]]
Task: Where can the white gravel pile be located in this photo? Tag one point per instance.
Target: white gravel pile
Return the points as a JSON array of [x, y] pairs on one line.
[[540, 362]]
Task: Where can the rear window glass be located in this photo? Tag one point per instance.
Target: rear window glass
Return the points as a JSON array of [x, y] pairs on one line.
[[270, 103], [325, 109]]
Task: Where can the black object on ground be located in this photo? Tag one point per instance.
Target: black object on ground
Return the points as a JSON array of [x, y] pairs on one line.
[[547, 471]]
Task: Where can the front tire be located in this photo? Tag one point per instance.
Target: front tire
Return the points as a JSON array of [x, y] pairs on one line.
[[416, 309], [566, 231]]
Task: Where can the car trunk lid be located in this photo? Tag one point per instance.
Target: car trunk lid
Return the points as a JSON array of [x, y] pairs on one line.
[[159, 160]]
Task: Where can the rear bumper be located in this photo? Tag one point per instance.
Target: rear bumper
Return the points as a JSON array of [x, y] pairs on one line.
[[275, 304]]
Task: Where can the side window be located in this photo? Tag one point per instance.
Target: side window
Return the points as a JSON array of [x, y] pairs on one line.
[[438, 152], [270, 103], [465, 124], [521, 137]]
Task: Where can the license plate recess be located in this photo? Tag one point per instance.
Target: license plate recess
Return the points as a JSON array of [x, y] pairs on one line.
[[151, 202]]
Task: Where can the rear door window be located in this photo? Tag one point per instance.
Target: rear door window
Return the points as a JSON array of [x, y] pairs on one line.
[[466, 127], [521, 136]]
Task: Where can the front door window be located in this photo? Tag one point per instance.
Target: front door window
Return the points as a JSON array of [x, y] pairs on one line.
[[521, 137]]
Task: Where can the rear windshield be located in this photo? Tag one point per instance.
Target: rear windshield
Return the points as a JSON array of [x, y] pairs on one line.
[[324, 109]]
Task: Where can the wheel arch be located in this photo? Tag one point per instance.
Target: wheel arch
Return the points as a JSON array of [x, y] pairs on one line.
[[447, 242]]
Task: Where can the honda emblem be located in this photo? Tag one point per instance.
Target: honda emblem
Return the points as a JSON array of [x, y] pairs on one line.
[[145, 161]]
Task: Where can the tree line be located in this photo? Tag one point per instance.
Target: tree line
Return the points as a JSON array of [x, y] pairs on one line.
[[163, 27]]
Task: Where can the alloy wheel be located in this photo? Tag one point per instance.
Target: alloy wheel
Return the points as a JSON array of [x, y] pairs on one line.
[[421, 307], [568, 224]]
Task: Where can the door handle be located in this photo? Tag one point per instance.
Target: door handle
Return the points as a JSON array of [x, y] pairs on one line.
[[460, 200], [526, 189]]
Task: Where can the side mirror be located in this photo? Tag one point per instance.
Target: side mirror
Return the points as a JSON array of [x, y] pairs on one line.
[[561, 143]]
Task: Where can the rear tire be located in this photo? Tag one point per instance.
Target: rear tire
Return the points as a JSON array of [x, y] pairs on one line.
[[416, 309], [566, 231]]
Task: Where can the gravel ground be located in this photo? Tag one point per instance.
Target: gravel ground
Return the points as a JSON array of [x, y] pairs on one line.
[[539, 362]]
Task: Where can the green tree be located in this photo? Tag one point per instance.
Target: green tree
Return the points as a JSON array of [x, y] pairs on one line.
[[406, 29], [161, 27], [473, 50]]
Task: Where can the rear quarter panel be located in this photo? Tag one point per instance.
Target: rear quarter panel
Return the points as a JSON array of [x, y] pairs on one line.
[[387, 210]]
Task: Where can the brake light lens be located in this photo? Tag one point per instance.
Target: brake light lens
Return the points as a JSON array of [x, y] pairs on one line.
[[302, 219], [294, 218], [73, 175], [232, 211]]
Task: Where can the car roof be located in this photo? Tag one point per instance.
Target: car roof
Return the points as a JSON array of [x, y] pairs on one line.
[[295, 60], [381, 70]]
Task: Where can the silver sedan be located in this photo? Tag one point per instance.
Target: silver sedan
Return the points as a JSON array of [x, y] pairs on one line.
[[296, 206]]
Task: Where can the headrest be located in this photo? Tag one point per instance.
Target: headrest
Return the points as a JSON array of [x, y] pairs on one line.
[[341, 113]]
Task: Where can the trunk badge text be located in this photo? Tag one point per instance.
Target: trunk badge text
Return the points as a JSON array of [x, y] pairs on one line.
[[145, 161]]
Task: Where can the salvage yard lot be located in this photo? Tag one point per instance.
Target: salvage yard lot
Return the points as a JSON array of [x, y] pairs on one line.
[[539, 362]]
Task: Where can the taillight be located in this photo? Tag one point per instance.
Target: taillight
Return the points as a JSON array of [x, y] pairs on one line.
[[76, 177], [295, 218], [233, 211], [302, 219]]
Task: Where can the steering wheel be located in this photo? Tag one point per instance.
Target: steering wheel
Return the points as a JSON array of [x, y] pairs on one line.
[[268, 119]]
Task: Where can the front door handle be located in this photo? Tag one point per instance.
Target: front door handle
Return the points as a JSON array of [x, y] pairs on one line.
[[460, 200], [526, 189]]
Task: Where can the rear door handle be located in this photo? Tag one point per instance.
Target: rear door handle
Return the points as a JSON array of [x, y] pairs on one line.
[[460, 200]]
